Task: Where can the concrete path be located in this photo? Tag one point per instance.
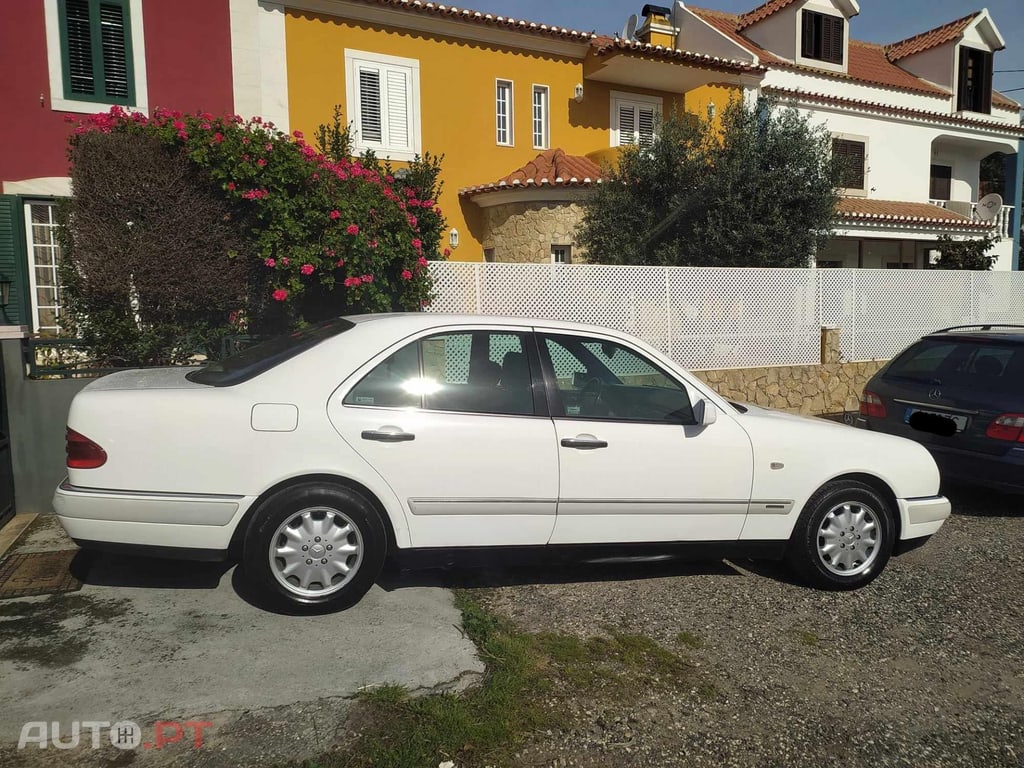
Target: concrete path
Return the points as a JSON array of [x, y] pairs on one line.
[[156, 640]]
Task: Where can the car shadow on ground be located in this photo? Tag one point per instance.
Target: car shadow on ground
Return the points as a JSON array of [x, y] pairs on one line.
[[975, 501], [113, 570]]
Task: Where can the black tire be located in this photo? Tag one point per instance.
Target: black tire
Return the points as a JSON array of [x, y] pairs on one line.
[[334, 508], [806, 553]]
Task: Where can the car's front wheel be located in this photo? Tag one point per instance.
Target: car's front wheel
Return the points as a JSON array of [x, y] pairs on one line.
[[844, 536], [315, 546]]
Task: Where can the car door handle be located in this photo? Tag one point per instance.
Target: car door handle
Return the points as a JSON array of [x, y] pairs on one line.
[[584, 442], [387, 436]]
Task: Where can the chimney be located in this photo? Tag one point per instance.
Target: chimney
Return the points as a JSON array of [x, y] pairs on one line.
[[657, 27]]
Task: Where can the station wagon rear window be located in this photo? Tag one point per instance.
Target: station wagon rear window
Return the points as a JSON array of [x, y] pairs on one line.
[[991, 366], [260, 358]]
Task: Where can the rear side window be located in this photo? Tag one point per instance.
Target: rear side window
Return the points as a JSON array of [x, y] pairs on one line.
[[986, 366], [258, 359]]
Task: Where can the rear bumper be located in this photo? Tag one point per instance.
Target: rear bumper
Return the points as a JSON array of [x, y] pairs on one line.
[[97, 518], [922, 517]]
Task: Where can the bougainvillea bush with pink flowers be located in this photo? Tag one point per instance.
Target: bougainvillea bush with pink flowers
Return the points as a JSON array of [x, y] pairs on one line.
[[293, 233]]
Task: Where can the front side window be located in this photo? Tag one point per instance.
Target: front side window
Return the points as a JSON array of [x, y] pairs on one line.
[[503, 113], [941, 182], [383, 98], [974, 87], [484, 372], [851, 159], [96, 51], [599, 379], [44, 255], [822, 37], [634, 121]]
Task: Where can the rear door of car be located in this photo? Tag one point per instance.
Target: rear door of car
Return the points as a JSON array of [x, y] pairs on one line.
[[967, 382], [453, 423]]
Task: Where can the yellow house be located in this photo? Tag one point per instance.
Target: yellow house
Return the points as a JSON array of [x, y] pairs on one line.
[[523, 113]]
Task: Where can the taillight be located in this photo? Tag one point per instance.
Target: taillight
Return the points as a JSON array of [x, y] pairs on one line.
[[1009, 426], [872, 405], [83, 453]]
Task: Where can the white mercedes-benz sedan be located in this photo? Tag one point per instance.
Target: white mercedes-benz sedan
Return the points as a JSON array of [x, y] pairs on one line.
[[313, 456]]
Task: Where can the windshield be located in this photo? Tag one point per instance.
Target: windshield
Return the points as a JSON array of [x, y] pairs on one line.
[[260, 358]]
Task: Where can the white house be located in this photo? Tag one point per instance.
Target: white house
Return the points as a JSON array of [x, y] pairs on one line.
[[916, 118]]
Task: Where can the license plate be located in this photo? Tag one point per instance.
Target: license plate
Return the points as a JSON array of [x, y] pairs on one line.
[[960, 422]]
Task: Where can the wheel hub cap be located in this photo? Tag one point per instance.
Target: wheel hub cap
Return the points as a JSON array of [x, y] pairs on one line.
[[848, 539], [316, 552]]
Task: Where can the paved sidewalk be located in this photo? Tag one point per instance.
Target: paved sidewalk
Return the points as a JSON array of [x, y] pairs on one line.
[[158, 640]]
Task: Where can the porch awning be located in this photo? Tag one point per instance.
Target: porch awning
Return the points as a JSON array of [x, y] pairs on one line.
[[857, 210]]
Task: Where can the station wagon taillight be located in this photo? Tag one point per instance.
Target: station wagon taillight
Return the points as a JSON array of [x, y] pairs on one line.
[[83, 453], [1009, 427], [872, 405]]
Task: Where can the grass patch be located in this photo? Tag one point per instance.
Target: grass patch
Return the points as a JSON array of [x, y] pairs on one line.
[[529, 676], [806, 638], [689, 640]]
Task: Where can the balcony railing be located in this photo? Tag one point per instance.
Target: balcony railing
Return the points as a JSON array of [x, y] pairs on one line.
[[1000, 223]]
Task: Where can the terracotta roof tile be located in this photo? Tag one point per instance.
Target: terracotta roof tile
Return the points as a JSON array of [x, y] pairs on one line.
[[605, 45], [930, 39], [551, 168], [896, 211], [761, 13], [489, 19]]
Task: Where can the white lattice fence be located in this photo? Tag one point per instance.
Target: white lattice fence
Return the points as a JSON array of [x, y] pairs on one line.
[[738, 318]]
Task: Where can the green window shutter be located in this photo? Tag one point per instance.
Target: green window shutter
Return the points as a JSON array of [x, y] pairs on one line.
[[96, 50], [13, 261]]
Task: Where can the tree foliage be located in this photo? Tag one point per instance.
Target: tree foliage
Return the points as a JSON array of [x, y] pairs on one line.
[[183, 228], [966, 254], [757, 189]]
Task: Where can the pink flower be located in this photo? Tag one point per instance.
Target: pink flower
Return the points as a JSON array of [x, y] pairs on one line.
[[285, 261], [412, 220], [447, 252], [406, 274], [367, 278], [270, 263], [341, 262], [306, 269], [269, 147], [417, 244], [425, 303], [421, 261], [280, 294], [352, 229], [297, 134], [261, 162], [335, 215], [428, 203], [178, 125], [182, 135], [218, 137], [352, 282], [231, 186], [373, 243], [245, 140]]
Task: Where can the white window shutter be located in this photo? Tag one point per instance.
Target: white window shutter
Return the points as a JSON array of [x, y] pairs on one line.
[[646, 127], [399, 134], [627, 124], [371, 117]]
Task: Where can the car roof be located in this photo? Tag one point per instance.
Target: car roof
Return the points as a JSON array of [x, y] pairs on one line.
[[414, 321], [1013, 334]]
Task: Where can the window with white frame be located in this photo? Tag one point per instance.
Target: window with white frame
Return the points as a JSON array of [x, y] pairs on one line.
[[503, 113], [541, 119], [383, 98], [44, 258], [634, 119], [561, 254], [96, 54]]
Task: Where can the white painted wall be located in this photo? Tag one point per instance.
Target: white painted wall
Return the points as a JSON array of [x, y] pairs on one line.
[[935, 65], [779, 33]]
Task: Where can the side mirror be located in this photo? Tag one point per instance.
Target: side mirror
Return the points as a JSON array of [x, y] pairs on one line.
[[705, 413]]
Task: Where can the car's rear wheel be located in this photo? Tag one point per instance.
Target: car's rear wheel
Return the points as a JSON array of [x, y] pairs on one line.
[[315, 546], [844, 536]]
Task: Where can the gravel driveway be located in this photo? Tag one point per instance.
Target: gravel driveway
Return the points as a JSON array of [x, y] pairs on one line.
[[921, 668]]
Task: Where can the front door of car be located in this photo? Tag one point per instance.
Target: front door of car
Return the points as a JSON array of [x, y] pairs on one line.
[[635, 466], [453, 424]]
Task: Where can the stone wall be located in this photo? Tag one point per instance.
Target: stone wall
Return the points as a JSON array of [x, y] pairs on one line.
[[524, 232], [810, 390]]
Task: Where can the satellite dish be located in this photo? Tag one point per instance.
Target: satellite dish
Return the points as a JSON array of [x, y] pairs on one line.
[[989, 207], [629, 31]]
